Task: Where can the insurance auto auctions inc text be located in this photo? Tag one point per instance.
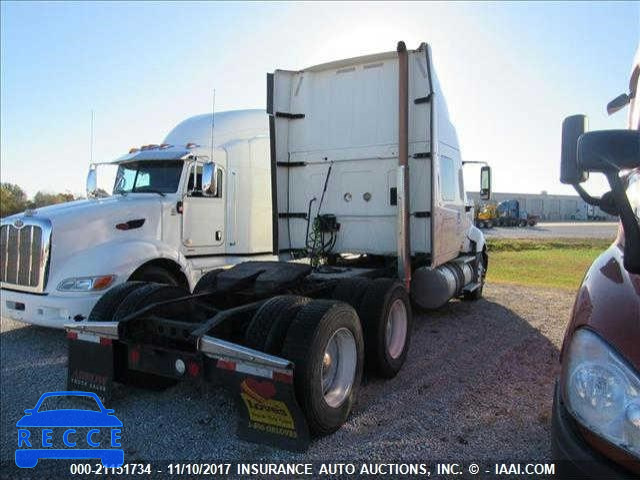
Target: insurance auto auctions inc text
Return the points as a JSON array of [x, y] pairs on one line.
[[391, 469]]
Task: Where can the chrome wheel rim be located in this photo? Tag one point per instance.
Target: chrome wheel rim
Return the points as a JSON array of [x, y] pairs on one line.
[[396, 329], [339, 367]]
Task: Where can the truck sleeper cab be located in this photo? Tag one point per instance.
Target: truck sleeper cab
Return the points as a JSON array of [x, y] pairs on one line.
[[369, 221], [155, 224]]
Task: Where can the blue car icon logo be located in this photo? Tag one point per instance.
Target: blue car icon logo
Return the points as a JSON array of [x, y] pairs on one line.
[[69, 433]]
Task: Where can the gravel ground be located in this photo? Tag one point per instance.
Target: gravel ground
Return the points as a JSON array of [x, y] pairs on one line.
[[557, 230], [477, 385]]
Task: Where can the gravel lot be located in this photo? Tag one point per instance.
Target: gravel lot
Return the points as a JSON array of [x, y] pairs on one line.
[[477, 386], [557, 230]]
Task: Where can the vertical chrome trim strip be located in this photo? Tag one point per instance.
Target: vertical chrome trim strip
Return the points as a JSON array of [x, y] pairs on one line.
[[17, 281], [31, 255]]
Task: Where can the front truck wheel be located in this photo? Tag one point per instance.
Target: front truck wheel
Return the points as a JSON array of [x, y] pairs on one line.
[[481, 275], [386, 317], [326, 346], [153, 273]]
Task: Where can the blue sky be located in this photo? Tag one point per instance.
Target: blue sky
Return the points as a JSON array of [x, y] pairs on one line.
[[510, 71]]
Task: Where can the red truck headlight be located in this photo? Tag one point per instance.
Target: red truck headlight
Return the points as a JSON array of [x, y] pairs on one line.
[[602, 391]]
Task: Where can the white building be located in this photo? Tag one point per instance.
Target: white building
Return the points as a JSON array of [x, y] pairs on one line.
[[550, 207]]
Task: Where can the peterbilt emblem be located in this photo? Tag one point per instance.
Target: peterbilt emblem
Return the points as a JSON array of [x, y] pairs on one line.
[[18, 223]]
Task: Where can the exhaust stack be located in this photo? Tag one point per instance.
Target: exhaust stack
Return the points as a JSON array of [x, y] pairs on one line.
[[404, 246]]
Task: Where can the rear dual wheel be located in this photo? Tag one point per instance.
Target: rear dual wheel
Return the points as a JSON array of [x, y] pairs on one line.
[[208, 281], [325, 344], [385, 313], [323, 339], [270, 324]]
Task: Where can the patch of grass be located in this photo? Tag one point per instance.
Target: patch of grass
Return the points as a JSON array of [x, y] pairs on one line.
[[558, 263], [520, 244]]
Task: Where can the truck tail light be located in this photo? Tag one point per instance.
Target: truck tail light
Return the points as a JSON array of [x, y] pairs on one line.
[[193, 369], [134, 356]]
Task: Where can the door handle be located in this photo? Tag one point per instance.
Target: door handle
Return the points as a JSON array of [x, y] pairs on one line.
[[218, 235]]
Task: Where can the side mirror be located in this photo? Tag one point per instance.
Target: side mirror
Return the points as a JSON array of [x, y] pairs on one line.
[[485, 183], [618, 103], [92, 183], [572, 128], [609, 150], [210, 179]]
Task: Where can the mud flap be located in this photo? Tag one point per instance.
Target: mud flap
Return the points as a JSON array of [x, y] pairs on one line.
[[90, 366], [269, 412]]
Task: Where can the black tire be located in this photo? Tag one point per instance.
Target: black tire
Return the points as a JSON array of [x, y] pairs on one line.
[[269, 325], [150, 293], [106, 307], [305, 346], [375, 309], [155, 274], [208, 281], [477, 293], [351, 290]]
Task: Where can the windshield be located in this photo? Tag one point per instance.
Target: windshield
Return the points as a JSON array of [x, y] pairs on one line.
[[149, 176]]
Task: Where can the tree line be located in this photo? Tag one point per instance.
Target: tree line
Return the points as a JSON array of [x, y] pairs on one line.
[[14, 200]]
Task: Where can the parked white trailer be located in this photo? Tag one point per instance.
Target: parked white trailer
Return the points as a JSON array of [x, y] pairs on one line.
[[156, 224], [368, 208]]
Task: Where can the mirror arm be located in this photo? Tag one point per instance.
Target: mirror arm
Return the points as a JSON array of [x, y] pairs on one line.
[[629, 223], [474, 162], [585, 195]]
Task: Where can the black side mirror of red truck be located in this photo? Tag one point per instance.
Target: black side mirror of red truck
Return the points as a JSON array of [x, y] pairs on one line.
[[572, 128], [607, 152]]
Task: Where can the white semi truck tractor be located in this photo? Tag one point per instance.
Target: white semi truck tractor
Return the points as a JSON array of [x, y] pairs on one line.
[[156, 225], [370, 221]]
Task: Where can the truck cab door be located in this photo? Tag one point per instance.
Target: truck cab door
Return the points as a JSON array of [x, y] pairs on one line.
[[203, 216], [451, 221]]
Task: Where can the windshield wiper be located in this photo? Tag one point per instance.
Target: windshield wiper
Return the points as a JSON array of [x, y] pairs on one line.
[[147, 190]]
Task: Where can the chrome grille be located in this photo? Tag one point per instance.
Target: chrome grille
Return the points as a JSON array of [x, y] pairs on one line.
[[24, 254]]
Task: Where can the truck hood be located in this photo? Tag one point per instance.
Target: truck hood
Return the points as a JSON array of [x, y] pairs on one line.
[[92, 207], [609, 304], [85, 224]]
